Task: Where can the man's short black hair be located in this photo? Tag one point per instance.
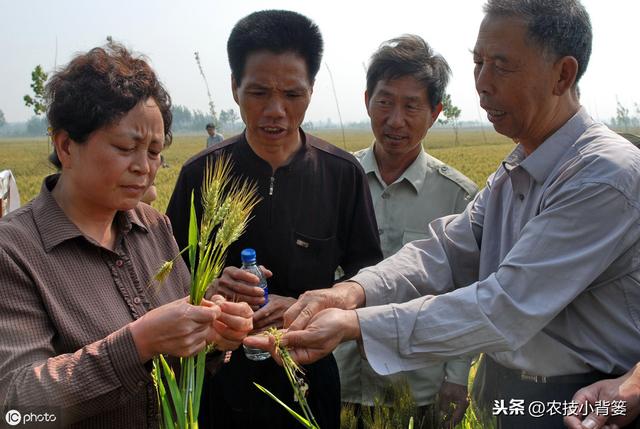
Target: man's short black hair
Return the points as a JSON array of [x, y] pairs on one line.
[[560, 27], [210, 125], [277, 31], [409, 55]]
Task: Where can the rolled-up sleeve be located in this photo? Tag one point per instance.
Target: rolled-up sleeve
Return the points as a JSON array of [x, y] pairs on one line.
[[578, 233]]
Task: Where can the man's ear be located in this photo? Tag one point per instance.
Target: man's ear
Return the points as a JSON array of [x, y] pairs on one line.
[[366, 101], [565, 70], [234, 89], [62, 144], [435, 112]]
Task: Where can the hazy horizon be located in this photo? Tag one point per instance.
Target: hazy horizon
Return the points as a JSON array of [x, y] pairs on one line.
[[169, 33]]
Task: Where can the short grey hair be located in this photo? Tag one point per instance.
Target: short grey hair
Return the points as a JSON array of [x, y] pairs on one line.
[[559, 27]]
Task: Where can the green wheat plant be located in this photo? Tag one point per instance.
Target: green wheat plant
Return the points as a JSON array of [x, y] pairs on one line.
[[226, 209], [295, 374]]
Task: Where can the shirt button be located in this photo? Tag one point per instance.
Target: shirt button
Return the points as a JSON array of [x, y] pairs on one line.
[[385, 195], [119, 263], [137, 300], [141, 384], [521, 197]]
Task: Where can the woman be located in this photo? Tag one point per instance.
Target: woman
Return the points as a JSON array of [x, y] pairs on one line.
[[81, 316]]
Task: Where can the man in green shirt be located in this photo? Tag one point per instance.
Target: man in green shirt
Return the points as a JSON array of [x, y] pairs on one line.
[[405, 85]]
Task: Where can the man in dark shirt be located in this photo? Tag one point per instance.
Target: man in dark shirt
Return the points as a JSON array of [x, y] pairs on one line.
[[315, 215]]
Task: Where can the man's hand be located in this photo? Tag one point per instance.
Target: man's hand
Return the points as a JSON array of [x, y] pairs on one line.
[[272, 313], [452, 403], [324, 332], [233, 324], [345, 295], [240, 285], [625, 388]]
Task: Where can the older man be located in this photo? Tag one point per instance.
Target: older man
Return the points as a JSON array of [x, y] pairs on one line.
[[315, 214], [406, 81], [542, 270]]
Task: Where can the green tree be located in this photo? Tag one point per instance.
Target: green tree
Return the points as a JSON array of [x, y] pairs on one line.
[[451, 114], [228, 119], [622, 117], [2, 119], [37, 102]]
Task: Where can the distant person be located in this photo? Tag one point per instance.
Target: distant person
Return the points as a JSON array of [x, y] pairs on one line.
[[214, 137], [405, 85], [81, 319], [315, 215], [542, 269]]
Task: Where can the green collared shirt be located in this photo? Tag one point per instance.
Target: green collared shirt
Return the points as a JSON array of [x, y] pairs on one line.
[[427, 190]]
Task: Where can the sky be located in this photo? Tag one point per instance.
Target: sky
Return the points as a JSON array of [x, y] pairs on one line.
[[168, 32]]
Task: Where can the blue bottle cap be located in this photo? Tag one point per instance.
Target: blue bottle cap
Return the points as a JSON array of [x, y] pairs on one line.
[[248, 255]]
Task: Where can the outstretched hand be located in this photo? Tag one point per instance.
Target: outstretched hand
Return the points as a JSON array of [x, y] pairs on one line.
[[323, 333], [345, 295]]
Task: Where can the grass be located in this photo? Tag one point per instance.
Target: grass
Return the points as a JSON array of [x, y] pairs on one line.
[[476, 156], [402, 408]]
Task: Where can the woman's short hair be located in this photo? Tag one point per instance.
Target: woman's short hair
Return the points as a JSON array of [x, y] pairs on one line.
[[97, 88]]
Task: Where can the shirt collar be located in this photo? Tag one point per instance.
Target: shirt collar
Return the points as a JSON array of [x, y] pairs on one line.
[[54, 225], [245, 151], [542, 161], [415, 174]]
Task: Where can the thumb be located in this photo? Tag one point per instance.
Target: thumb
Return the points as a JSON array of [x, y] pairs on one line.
[[594, 421]]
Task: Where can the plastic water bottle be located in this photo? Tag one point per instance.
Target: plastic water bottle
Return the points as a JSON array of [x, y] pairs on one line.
[[248, 257]]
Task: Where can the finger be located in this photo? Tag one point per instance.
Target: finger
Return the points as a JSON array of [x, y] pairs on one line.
[[241, 309], [458, 412], [594, 421], [573, 422], [236, 275], [305, 356], [297, 317], [262, 342], [201, 314], [236, 323], [272, 320], [234, 296], [225, 338], [213, 300], [266, 272]]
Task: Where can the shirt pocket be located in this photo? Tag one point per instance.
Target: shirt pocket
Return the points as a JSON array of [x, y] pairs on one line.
[[410, 235], [313, 262]]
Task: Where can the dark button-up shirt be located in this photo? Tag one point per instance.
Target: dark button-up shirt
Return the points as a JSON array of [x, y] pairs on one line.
[[315, 215], [65, 303]]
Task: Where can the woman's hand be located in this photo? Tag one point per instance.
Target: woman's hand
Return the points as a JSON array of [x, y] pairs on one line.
[[232, 325], [177, 329]]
